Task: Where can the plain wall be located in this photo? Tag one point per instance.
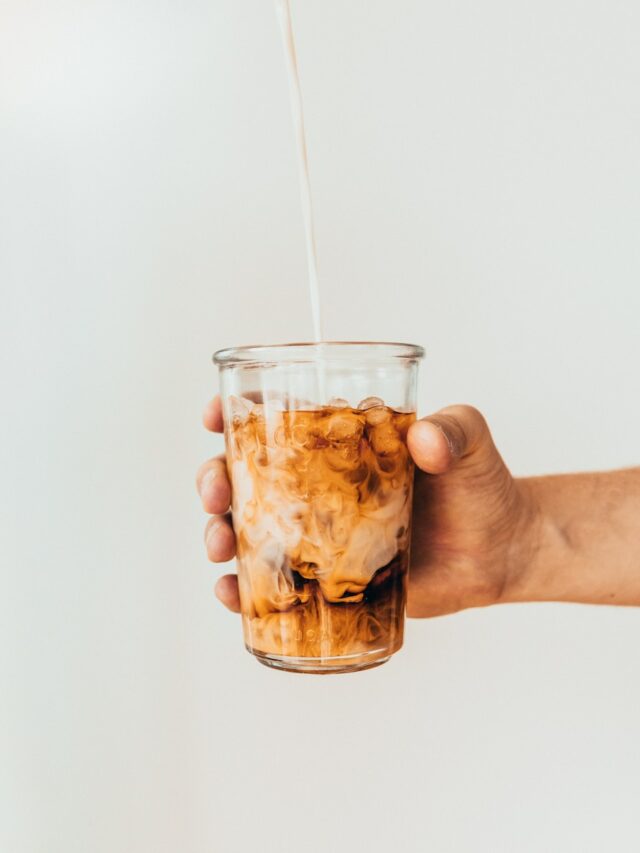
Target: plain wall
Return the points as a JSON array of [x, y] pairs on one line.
[[477, 185]]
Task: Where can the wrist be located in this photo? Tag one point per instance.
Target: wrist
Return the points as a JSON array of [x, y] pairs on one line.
[[537, 549]]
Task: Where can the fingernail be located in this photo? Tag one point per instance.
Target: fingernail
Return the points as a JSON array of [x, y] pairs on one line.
[[211, 533], [215, 475], [209, 479]]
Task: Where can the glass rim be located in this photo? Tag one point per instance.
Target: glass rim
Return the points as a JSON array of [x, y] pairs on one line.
[[309, 351]]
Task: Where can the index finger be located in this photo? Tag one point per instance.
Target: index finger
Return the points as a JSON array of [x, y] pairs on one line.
[[212, 415]]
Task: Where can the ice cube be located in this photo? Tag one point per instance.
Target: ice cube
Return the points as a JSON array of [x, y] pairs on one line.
[[378, 415], [370, 403], [346, 427], [384, 439], [338, 403]]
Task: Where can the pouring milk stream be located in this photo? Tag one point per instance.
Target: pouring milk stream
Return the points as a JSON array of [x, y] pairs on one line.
[[284, 16]]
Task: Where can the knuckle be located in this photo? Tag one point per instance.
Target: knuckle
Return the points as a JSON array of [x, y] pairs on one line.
[[475, 416], [467, 414]]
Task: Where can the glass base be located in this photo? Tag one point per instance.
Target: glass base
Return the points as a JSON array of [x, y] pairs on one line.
[[324, 666]]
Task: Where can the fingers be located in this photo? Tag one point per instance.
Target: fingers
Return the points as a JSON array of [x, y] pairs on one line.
[[451, 435], [227, 592], [220, 539], [221, 546], [213, 486], [212, 415], [215, 491]]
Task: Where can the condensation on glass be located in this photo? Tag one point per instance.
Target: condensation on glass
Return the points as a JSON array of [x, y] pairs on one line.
[[322, 488]]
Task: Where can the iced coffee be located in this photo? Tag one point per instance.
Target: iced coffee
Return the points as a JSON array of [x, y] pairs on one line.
[[322, 514], [321, 498]]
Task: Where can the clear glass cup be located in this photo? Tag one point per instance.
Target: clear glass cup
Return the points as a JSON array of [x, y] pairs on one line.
[[322, 487]]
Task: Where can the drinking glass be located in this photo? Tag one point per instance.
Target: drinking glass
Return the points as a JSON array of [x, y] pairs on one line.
[[322, 487]]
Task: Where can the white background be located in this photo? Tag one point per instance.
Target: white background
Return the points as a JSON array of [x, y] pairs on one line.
[[477, 184]]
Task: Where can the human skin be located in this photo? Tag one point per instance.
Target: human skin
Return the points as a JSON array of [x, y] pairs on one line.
[[480, 536]]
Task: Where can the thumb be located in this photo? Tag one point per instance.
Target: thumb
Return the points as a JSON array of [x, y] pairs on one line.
[[452, 435]]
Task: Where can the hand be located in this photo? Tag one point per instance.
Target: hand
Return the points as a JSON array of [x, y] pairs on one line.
[[473, 524]]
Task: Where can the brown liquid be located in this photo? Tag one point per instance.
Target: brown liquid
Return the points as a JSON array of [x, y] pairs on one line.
[[322, 511]]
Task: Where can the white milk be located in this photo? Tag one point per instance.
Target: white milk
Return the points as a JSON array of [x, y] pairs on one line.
[[284, 16]]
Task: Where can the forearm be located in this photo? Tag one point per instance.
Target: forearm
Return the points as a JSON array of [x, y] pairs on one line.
[[583, 539]]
